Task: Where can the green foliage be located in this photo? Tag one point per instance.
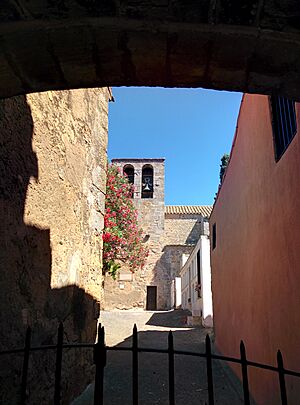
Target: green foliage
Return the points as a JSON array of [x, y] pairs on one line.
[[112, 268], [223, 166]]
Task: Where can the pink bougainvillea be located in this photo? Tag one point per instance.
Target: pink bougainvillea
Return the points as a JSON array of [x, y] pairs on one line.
[[122, 237]]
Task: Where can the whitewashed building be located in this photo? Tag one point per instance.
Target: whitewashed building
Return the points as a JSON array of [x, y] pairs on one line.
[[196, 294]]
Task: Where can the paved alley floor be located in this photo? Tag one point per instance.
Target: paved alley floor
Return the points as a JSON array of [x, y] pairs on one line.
[[190, 372]]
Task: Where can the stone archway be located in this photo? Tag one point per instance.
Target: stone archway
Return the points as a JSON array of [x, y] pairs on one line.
[[249, 46]]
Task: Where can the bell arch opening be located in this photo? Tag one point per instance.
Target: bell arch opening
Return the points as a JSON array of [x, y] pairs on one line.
[[128, 170], [147, 182]]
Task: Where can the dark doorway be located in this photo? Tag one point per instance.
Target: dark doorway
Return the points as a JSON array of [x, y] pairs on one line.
[[151, 304]]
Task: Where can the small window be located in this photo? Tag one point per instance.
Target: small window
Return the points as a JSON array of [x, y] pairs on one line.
[[147, 182], [214, 236], [284, 123]]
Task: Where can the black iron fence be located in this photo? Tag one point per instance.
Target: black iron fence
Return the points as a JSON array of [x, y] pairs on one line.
[[100, 350]]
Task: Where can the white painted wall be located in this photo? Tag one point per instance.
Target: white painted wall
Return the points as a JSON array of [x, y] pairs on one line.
[[173, 296], [177, 292], [184, 258], [207, 306], [199, 306]]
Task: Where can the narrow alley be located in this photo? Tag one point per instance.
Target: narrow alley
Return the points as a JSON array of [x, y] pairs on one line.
[[190, 372]]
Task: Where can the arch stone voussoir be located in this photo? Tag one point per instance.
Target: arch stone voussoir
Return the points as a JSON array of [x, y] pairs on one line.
[[170, 44]]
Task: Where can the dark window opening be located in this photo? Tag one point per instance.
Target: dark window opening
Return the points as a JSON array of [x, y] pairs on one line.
[[284, 123], [128, 171], [147, 182], [198, 274], [214, 236]]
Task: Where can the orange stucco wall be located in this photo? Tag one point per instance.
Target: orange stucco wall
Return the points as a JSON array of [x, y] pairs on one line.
[[256, 262]]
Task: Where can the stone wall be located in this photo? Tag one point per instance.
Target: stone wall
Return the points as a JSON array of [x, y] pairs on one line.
[[132, 294], [170, 236], [150, 210], [52, 184], [183, 228]]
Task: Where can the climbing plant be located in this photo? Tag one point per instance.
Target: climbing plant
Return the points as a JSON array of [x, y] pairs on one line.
[[122, 237]]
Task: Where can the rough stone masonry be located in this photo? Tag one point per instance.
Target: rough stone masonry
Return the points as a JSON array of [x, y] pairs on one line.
[[52, 190]]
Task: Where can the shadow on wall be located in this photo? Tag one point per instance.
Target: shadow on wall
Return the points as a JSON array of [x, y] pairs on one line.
[[165, 270], [195, 233], [25, 273]]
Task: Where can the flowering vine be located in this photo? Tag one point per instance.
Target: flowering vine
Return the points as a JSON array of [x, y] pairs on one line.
[[122, 237]]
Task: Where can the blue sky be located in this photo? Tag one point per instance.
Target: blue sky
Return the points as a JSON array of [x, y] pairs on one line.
[[190, 128]]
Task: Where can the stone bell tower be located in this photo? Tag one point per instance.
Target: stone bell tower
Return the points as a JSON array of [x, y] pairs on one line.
[[146, 288], [148, 178]]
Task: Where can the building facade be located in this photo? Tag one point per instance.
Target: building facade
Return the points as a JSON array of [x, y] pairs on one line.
[[170, 232], [255, 249], [196, 282]]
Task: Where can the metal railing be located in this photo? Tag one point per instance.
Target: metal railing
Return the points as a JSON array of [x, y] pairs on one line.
[[99, 358]]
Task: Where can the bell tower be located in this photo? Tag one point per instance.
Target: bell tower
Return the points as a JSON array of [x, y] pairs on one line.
[[148, 178]]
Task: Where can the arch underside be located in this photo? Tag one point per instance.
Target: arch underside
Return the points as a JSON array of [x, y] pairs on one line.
[[250, 47]]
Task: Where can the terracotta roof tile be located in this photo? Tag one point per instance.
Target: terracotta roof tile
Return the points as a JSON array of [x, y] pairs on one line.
[[204, 210]]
